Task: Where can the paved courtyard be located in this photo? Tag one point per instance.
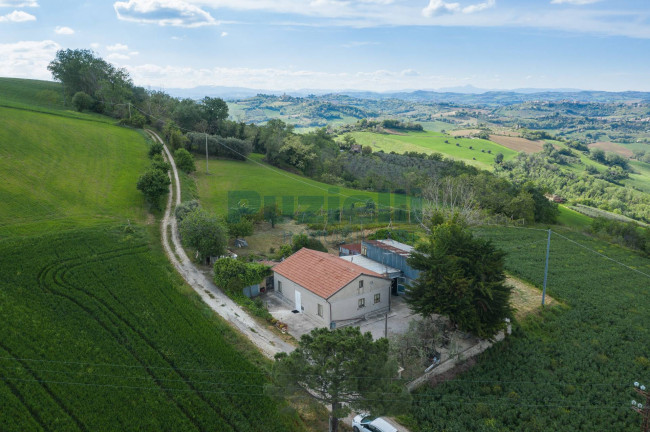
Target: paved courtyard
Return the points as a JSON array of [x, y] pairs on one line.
[[299, 323]]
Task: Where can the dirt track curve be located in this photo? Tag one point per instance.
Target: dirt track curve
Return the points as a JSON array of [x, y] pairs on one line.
[[268, 342]]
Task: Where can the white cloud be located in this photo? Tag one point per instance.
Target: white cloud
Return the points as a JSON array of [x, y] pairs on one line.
[[118, 47], [224, 34], [574, 2], [373, 13], [63, 30], [95, 45], [177, 13], [118, 56], [27, 59], [17, 16], [18, 4], [438, 7]]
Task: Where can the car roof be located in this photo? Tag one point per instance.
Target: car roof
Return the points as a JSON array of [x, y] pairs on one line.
[[383, 425]]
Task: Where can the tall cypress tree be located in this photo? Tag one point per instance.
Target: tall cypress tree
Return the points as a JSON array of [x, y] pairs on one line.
[[461, 277]]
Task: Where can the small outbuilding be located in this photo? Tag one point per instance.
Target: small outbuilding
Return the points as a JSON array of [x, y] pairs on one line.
[[329, 289]]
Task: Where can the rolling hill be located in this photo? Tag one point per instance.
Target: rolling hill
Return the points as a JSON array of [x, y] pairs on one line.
[[98, 331]]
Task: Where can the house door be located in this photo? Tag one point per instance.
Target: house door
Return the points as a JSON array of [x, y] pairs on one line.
[[297, 295]]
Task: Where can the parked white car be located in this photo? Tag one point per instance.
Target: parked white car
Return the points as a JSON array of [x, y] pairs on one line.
[[364, 423]]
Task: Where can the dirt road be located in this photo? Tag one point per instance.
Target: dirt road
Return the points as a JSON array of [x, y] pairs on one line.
[[267, 342]]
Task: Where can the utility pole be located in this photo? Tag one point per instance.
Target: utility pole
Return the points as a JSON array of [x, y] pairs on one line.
[[642, 409], [548, 249], [206, 153], [129, 110]]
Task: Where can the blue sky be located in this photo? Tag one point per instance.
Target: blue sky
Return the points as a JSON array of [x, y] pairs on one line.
[[376, 45]]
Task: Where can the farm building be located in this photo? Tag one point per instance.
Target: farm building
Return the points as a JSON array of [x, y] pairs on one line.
[[329, 289], [350, 249], [391, 254]]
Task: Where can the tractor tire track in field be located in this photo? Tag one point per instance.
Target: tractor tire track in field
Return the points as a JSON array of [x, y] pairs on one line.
[[266, 341], [80, 425], [54, 273], [18, 395]]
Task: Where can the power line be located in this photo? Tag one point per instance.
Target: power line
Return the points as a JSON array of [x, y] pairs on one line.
[[603, 255], [235, 372], [482, 400]]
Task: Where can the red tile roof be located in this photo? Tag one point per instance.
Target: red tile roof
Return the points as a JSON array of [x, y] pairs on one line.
[[319, 272]]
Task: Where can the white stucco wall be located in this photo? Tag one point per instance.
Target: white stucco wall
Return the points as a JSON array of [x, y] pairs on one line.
[[344, 303], [308, 300]]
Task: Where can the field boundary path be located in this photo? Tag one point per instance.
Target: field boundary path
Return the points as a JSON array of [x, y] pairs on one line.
[[267, 342]]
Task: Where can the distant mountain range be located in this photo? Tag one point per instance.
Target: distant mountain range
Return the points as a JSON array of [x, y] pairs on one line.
[[461, 95]]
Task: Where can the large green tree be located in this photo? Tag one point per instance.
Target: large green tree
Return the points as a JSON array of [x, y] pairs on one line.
[[153, 184], [343, 369], [81, 71], [215, 111], [205, 233], [461, 277]]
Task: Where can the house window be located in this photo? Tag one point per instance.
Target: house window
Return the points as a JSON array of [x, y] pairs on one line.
[[377, 298], [280, 286], [361, 283], [320, 310], [362, 303]]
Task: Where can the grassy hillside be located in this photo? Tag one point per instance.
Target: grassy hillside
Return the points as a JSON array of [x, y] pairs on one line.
[[98, 331], [65, 171], [434, 142], [231, 181], [41, 96], [570, 368], [32, 93]]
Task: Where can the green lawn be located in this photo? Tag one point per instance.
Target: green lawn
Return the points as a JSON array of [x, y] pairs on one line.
[[641, 178], [41, 96], [256, 182], [434, 142], [66, 171], [572, 218]]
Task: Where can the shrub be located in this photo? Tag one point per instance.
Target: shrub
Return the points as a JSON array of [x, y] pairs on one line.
[[156, 148], [82, 101], [184, 160]]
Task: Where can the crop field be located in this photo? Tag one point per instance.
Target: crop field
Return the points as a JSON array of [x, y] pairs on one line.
[[66, 171], [571, 368], [518, 144], [257, 183], [613, 147], [98, 330], [434, 142], [96, 318]]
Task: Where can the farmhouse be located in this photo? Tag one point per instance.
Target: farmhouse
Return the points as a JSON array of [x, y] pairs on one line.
[[329, 289]]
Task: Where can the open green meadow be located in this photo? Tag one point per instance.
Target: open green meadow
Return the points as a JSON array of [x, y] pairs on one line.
[[570, 368], [62, 171], [98, 330], [572, 218], [257, 183], [434, 142], [41, 96]]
